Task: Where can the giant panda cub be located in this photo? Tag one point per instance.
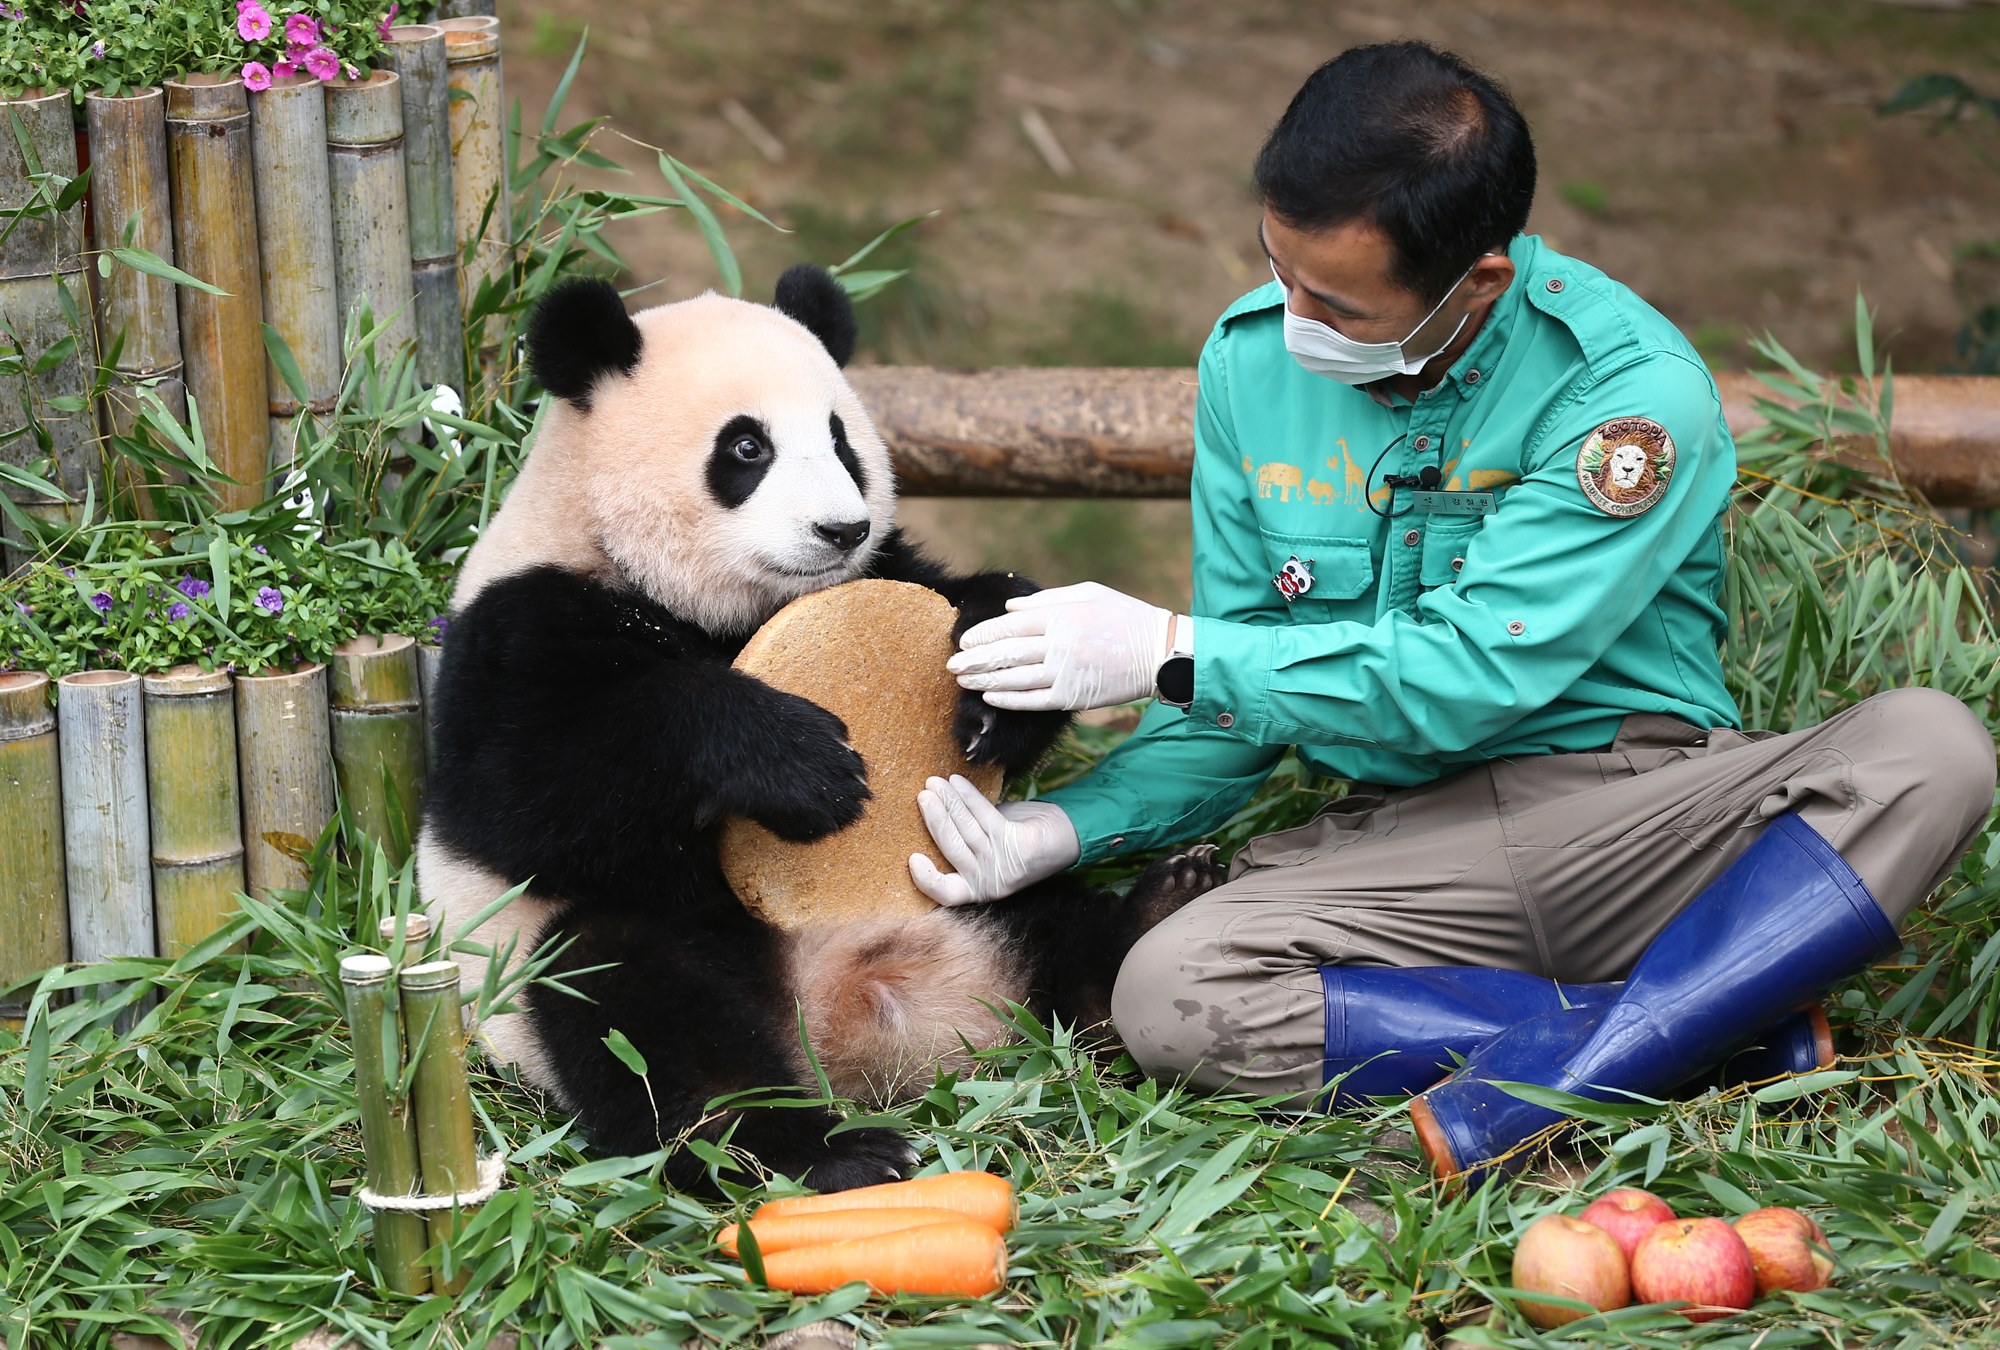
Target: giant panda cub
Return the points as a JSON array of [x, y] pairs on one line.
[[702, 464]]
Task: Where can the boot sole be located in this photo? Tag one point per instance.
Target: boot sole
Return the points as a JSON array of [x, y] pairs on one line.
[[1431, 1139]]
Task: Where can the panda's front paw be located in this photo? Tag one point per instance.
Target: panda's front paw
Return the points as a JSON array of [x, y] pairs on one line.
[[861, 1158], [1016, 741], [1168, 883], [819, 785]]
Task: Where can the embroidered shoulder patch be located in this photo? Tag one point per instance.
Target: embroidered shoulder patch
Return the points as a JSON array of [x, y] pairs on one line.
[[1625, 464]]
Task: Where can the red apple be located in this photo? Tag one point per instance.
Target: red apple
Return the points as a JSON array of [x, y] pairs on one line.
[[1573, 1259], [1627, 1215], [1784, 1250], [1696, 1261]]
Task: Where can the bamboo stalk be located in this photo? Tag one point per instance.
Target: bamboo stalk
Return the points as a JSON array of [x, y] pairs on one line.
[[416, 52], [215, 239], [43, 298], [101, 733], [284, 748], [439, 1096], [388, 1129], [34, 931], [378, 737], [430, 660], [478, 158], [136, 311], [288, 145], [416, 937], [463, 9], [371, 210], [193, 804]]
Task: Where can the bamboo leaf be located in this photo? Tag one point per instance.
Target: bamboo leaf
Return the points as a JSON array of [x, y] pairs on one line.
[[141, 260], [711, 228]]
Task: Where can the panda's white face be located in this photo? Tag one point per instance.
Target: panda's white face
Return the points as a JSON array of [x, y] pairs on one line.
[[732, 470]]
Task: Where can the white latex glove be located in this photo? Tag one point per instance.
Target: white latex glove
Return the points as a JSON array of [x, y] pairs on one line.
[[1073, 647], [994, 850]]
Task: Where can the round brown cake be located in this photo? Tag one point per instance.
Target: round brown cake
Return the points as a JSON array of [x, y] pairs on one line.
[[872, 653]]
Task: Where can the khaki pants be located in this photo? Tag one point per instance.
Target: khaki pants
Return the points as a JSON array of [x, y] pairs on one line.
[[1564, 865]]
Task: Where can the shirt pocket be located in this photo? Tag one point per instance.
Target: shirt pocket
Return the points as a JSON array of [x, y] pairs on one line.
[[1341, 568], [1445, 544]]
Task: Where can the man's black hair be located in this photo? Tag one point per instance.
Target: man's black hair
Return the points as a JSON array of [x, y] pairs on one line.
[[1412, 140]]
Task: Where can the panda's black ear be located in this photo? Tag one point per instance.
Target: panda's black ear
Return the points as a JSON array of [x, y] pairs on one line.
[[579, 333], [811, 295]]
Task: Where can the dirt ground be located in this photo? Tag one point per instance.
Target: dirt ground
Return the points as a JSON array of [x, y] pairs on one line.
[[1723, 157]]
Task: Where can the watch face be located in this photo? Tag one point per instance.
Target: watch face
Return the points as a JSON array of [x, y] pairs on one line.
[[1176, 681]]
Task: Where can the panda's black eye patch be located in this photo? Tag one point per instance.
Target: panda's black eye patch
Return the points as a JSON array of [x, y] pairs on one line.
[[742, 456], [845, 452]]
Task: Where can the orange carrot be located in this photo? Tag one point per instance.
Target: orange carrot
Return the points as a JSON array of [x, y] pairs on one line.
[[785, 1231], [977, 1195], [958, 1257]]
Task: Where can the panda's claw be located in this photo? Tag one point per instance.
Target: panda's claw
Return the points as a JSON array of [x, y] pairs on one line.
[[862, 1158]]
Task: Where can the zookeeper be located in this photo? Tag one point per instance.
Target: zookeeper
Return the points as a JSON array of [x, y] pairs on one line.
[[1458, 537]]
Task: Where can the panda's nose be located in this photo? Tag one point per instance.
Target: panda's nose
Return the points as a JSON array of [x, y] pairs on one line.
[[843, 535]]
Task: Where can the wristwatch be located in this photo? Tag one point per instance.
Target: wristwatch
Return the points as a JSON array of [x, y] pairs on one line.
[[1174, 681]]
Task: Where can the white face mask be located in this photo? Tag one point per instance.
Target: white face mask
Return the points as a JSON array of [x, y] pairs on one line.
[[1326, 351]]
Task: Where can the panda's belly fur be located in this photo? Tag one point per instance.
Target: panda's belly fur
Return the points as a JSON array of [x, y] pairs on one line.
[[886, 1002]]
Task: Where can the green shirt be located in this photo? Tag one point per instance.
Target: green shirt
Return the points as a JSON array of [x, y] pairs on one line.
[[1428, 642]]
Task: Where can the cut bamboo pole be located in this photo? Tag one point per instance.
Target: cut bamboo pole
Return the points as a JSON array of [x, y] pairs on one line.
[[439, 1096], [416, 937], [430, 660], [43, 298], [416, 52], [101, 732], [193, 804], [128, 190], [283, 745], [371, 204], [215, 239], [34, 927], [378, 737], [388, 1129], [465, 9], [288, 144], [478, 159]]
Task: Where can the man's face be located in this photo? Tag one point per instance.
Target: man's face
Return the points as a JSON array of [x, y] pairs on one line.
[[1340, 277]]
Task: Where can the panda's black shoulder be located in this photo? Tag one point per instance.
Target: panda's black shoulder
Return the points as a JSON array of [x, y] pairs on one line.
[[551, 616]]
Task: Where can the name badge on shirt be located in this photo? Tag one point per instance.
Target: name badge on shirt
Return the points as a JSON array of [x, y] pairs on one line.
[[1294, 579], [1452, 503]]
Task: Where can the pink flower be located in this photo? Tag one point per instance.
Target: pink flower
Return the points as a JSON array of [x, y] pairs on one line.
[[322, 64], [284, 70], [382, 24], [256, 77], [252, 23], [301, 31]]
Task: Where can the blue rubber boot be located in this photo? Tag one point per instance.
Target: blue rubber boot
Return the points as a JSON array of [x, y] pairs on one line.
[[1392, 1032], [1785, 921]]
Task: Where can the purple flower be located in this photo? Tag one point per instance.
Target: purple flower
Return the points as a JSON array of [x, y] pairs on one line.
[[284, 70], [102, 601], [439, 624], [259, 548], [382, 24], [252, 23], [24, 607], [14, 12], [322, 64], [256, 77], [69, 571], [97, 50], [301, 30], [193, 587], [268, 599], [176, 612]]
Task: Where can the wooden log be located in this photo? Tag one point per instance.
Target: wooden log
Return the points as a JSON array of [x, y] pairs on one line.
[[43, 297], [440, 1098], [1079, 432], [288, 147], [376, 709], [107, 865], [136, 311], [388, 1128], [34, 923], [416, 52], [481, 205], [284, 750], [193, 804], [371, 210], [215, 239]]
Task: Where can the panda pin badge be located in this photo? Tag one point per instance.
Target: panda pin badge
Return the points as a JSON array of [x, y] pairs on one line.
[[1294, 579]]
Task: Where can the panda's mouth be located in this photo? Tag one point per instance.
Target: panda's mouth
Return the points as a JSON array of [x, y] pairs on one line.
[[810, 574]]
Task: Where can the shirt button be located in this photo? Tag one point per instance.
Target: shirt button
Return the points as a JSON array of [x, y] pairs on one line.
[[1413, 537], [1119, 842], [1458, 564], [1423, 442], [1517, 628], [1555, 285], [1225, 720], [1472, 377]]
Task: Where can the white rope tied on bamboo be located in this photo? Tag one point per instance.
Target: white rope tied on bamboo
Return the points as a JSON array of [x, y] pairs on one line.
[[492, 1170]]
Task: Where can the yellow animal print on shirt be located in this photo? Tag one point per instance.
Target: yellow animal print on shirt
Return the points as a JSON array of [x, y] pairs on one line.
[[1287, 478], [1321, 493]]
